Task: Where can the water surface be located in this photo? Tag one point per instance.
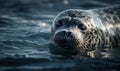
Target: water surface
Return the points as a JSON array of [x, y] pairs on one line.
[[25, 35]]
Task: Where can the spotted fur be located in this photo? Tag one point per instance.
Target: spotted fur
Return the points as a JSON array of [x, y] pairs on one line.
[[103, 28]]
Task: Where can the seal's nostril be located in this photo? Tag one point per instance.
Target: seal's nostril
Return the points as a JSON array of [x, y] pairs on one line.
[[69, 33], [64, 32]]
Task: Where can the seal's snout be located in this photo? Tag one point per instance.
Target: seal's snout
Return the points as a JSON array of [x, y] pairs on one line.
[[63, 38]]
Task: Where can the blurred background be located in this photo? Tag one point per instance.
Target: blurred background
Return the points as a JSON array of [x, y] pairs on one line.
[[25, 35]]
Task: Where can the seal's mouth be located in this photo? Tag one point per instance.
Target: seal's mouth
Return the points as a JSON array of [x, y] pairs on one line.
[[66, 44], [62, 49]]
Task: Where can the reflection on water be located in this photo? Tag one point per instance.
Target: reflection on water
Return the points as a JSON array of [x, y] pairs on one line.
[[25, 33]]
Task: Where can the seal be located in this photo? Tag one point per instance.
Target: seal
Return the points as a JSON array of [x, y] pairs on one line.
[[92, 32]]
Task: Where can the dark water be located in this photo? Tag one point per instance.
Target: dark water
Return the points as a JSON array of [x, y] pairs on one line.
[[25, 36]]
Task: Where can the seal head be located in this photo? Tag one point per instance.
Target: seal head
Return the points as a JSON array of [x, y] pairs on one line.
[[74, 29]]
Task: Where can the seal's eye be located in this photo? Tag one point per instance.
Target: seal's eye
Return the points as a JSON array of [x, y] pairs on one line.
[[82, 27], [59, 23]]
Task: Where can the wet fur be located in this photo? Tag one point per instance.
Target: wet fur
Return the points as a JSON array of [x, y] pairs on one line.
[[103, 28]]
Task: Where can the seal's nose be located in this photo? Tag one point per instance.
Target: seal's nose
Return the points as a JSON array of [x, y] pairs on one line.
[[63, 37], [67, 34]]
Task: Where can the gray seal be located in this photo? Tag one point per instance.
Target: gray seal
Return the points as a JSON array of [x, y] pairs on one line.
[[93, 32]]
